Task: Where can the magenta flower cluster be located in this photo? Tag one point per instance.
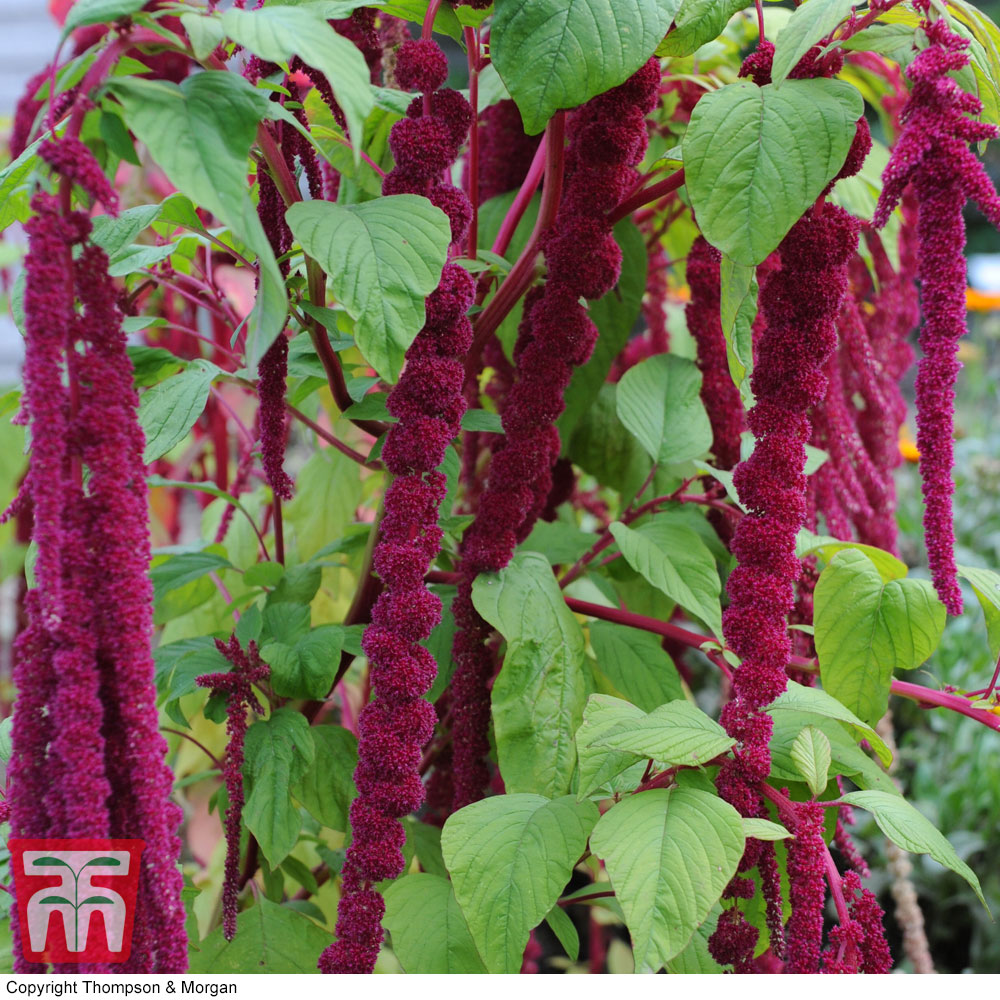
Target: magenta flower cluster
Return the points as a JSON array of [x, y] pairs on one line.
[[271, 417], [933, 155], [429, 404], [607, 138], [88, 759], [237, 685], [505, 152], [718, 392]]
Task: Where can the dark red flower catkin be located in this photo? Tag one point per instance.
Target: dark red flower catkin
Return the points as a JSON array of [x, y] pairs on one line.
[[807, 890], [933, 155], [271, 417], [718, 392], [429, 404], [237, 685], [88, 759], [505, 152], [606, 139], [799, 303]]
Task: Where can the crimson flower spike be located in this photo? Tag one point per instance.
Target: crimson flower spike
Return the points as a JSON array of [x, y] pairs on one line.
[[933, 155]]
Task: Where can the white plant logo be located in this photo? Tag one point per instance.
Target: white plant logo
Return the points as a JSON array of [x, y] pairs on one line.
[[75, 899]]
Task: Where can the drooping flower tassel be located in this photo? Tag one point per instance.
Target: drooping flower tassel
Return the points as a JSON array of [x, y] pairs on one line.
[[429, 404], [933, 154]]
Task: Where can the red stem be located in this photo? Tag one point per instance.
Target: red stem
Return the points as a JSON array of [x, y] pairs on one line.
[[521, 202], [522, 275], [647, 194]]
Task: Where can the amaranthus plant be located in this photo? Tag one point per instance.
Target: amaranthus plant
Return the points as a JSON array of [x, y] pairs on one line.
[[474, 426]]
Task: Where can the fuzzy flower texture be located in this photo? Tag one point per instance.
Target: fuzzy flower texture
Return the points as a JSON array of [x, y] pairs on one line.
[[429, 404], [607, 138], [88, 760], [933, 155]]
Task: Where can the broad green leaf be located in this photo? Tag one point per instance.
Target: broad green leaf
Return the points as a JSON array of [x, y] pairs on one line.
[[659, 401], [815, 701], [304, 667], [327, 493], [598, 765], [555, 54], [280, 32], [738, 290], [178, 665], [85, 12], [603, 447], [986, 586], [669, 853], [756, 158], [200, 134], [673, 558], [138, 256], [446, 20], [539, 695], [866, 629], [912, 831], [565, 930], [204, 33], [171, 572], [14, 202], [327, 787], [696, 959], [271, 938], [698, 22], [812, 754], [614, 316], [847, 757], [561, 543], [509, 857], [429, 933], [279, 751], [675, 733], [114, 233], [384, 257], [764, 829], [808, 25], [636, 664], [826, 547], [169, 409]]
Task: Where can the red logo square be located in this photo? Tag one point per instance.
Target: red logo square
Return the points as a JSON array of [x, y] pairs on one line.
[[60, 885]]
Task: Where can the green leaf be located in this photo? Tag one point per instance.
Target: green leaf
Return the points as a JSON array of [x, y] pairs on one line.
[[698, 22], [756, 158], [327, 787], [866, 629], [278, 33], [114, 233], [271, 938], [696, 959], [384, 257], [152, 364], [179, 570], [636, 664], [986, 586], [673, 558], [509, 857], [279, 751], [808, 544], [327, 492], [659, 401], [675, 733], [556, 54], [808, 25], [738, 289], [14, 205], [539, 695], [303, 665], [446, 21], [204, 33], [599, 766], [6, 744], [561, 543], [565, 930], [137, 256], [912, 831], [669, 853], [614, 316], [812, 755], [429, 933], [168, 410], [85, 12], [814, 701], [200, 134], [601, 446], [482, 420], [764, 829]]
